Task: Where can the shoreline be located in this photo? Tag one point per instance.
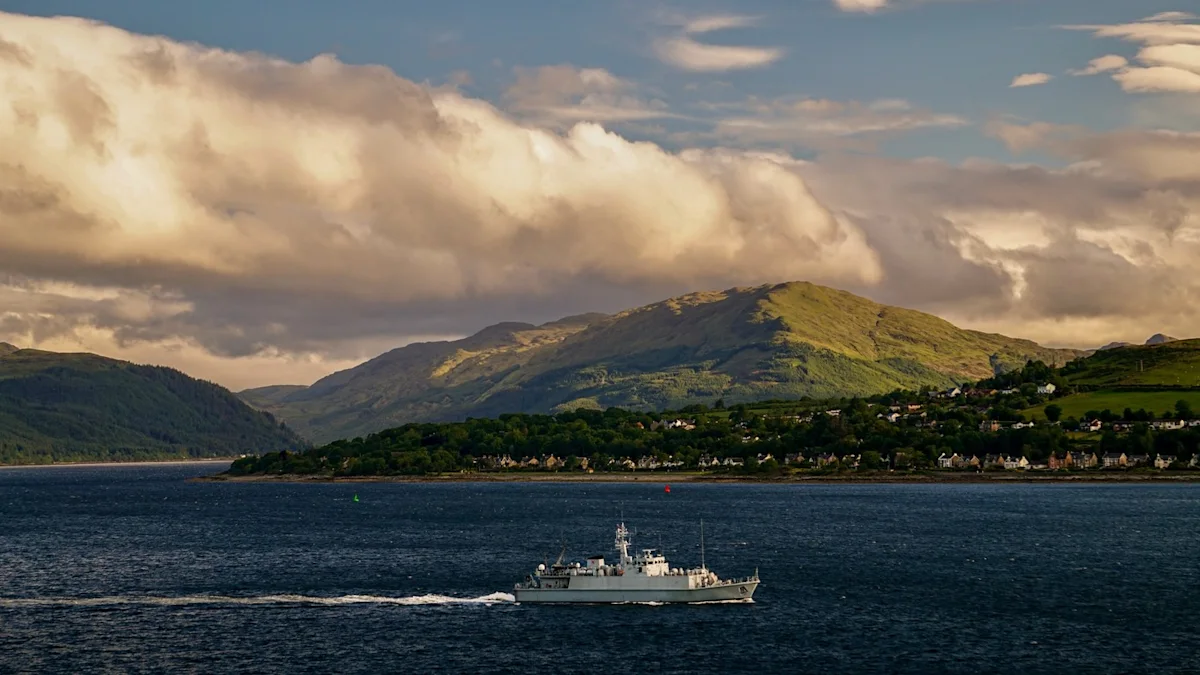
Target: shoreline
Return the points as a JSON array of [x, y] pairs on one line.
[[210, 460], [668, 478]]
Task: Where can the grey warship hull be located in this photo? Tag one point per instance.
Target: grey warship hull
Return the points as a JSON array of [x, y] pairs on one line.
[[743, 592], [645, 577]]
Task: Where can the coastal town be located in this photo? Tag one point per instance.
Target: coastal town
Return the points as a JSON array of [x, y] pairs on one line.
[[1014, 423], [943, 408]]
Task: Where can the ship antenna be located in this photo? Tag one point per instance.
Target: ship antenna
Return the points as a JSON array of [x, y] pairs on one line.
[[702, 565]]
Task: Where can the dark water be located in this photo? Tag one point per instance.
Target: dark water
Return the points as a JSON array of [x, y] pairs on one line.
[[133, 570]]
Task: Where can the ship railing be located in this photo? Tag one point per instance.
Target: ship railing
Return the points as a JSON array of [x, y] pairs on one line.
[[734, 582]]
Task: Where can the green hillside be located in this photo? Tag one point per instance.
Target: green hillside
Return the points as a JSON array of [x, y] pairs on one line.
[[743, 344], [83, 407], [1156, 402], [1165, 365]]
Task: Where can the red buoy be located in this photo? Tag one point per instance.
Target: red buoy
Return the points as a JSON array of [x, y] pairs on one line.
[[667, 489]]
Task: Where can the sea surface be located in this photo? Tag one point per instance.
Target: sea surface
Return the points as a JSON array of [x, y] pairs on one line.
[[133, 569]]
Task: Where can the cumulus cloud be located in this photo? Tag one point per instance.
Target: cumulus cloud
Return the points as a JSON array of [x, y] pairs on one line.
[[255, 220], [814, 122], [684, 51], [1075, 256], [872, 6], [565, 94], [1169, 60], [1031, 80], [860, 5], [1102, 64], [248, 205], [1170, 16]]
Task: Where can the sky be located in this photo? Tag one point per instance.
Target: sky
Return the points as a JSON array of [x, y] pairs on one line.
[[263, 193]]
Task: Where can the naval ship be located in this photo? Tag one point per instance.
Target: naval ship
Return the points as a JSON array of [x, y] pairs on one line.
[[642, 577]]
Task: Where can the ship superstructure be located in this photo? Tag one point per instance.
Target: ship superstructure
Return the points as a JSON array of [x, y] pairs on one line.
[[643, 576]]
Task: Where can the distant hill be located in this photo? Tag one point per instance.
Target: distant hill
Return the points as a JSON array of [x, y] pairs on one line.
[[83, 407], [1165, 364], [742, 344], [1156, 339]]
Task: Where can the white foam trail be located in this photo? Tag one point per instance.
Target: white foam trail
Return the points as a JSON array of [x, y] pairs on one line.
[[651, 603], [647, 603], [284, 599]]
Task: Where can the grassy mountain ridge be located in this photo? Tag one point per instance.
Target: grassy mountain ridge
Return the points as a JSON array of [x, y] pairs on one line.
[[1170, 364], [741, 344], [80, 407]]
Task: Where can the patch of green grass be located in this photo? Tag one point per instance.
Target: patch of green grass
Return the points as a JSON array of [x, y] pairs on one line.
[[1156, 402], [1174, 364]]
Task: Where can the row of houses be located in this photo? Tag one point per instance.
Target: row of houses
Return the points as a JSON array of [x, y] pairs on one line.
[[1160, 425], [1045, 389], [952, 461], [1096, 425], [1070, 460], [993, 425], [794, 459], [507, 462]]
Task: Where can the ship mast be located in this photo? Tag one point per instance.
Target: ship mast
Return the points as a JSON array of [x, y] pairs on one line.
[[702, 565], [622, 543]]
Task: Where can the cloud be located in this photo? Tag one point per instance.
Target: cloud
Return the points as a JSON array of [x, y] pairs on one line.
[[813, 122], [683, 51], [1072, 256], [250, 206], [1158, 79], [1031, 80], [254, 220], [1169, 59], [1170, 17], [1102, 64], [860, 5], [1152, 33], [715, 22], [565, 94], [873, 6]]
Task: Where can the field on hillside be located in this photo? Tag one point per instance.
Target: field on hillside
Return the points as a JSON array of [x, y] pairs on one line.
[[1175, 364], [1156, 402]]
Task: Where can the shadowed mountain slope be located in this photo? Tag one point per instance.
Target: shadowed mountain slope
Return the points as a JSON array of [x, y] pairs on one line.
[[83, 407]]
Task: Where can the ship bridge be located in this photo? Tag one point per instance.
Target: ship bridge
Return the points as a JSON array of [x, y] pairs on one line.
[[643, 576]]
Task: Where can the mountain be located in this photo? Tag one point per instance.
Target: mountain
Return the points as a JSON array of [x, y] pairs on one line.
[[1171, 364], [742, 344], [83, 407], [1156, 339]]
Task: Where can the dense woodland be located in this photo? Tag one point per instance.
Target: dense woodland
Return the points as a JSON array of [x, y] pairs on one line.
[[62, 408], [859, 428]]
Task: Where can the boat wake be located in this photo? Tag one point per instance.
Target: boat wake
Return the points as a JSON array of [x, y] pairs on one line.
[[652, 603], [283, 599]]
